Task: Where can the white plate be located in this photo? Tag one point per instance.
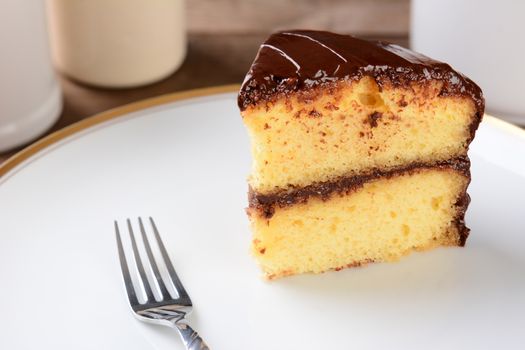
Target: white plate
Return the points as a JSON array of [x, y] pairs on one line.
[[185, 163]]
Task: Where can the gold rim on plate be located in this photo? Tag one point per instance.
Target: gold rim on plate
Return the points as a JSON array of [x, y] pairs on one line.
[[102, 117]]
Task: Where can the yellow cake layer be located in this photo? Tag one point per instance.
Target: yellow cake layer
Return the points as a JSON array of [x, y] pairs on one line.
[[381, 221], [351, 129]]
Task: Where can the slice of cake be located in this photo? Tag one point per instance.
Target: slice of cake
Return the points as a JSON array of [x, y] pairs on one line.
[[359, 152]]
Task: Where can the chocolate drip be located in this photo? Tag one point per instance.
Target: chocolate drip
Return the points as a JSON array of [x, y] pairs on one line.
[[297, 60]]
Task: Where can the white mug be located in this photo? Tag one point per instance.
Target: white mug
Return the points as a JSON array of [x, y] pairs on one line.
[[30, 97], [117, 43], [484, 39]]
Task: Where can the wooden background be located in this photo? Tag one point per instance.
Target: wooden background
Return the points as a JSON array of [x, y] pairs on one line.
[[223, 38], [365, 17]]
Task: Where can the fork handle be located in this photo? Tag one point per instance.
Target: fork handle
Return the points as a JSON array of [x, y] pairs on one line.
[[191, 339]]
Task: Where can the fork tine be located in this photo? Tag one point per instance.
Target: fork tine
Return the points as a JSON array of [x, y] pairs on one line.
[[140, 267], [163, 290], [128, 283], [175, 279]]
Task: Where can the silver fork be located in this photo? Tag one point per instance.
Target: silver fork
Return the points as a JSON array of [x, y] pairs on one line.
[[168, 311]]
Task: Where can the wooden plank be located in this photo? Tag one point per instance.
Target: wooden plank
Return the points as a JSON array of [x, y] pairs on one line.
[[364, 17]]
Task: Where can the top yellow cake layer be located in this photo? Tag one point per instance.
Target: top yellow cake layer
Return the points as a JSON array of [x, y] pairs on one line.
[[352, 129]]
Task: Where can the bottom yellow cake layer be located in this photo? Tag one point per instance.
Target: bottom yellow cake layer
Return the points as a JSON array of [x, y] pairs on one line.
[[381, 221]]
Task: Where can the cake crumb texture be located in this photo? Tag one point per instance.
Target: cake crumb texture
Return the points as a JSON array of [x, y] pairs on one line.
[[352, 128], [379, 222]]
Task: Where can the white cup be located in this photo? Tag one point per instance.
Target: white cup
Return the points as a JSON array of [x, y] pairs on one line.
[[484, 39], [30, 97], [117, 43]]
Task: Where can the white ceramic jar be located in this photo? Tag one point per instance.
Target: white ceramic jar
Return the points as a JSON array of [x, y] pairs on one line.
[[483, 39], [117, 43], [30, 96]]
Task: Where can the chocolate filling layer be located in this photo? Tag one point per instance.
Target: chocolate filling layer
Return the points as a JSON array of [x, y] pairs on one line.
[[265, 204], [299, 60]]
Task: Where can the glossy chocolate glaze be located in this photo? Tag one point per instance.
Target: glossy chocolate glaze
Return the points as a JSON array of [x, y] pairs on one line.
[[265, 204], [298, 60]]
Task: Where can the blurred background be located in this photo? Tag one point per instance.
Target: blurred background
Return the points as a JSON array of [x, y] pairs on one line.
[[107, 53]]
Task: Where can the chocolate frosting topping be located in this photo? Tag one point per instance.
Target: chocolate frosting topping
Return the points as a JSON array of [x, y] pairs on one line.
[[296, 60]]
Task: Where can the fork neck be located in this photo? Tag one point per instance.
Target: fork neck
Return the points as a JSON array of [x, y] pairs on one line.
[[190, 338]]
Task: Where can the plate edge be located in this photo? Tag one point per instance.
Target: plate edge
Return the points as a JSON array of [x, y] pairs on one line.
[[504, 125], [102, 117]]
